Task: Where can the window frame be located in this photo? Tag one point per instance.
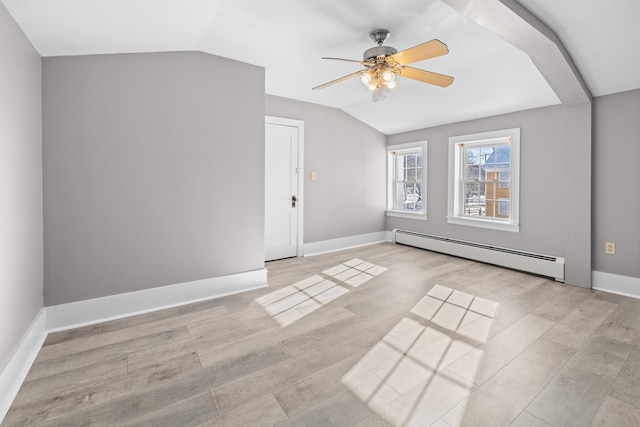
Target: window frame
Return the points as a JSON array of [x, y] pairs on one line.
[[455, 204], [391, 174]]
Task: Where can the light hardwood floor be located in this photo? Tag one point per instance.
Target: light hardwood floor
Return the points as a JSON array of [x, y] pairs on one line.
[[373, 336]]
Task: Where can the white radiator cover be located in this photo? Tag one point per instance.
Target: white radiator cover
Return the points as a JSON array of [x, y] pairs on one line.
[[544, 265]]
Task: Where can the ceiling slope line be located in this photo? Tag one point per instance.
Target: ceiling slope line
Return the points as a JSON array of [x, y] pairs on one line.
[[519, 27]]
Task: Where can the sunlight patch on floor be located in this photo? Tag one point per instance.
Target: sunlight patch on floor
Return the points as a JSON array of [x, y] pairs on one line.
[[354, 272], [293, 302], [404, 378]]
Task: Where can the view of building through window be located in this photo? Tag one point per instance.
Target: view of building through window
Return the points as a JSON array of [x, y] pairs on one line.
[[486, 181]]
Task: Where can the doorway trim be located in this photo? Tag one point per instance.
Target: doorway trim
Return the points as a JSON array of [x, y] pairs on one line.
[[299, 125]]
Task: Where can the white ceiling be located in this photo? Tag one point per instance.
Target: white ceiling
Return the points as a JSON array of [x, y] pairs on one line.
[[289, 37], [603, 38]]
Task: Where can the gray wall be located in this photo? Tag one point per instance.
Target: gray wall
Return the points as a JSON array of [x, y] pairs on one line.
[[20, 186], [555, 185], [348, 197], [153, 171], [616, 174]]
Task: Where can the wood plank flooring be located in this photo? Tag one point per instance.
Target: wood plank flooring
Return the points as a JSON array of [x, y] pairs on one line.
[[373, 336]]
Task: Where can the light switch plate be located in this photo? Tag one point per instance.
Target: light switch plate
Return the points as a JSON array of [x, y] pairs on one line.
[[610, 248]]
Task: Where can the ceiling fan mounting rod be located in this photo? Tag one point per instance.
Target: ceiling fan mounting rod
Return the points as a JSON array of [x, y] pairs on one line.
[[379, 36], [378, 53]]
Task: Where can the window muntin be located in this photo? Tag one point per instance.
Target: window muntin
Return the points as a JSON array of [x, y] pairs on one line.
[[484, 180], [406, 179]]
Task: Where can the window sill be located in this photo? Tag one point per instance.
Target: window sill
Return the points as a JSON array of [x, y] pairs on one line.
[[412, 215], [482, 223]]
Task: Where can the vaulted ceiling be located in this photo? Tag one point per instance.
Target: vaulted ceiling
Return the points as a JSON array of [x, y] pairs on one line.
[[505, 55]]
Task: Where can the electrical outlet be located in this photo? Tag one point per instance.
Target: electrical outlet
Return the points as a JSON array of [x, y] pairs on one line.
[[610, 248], [313, 176]]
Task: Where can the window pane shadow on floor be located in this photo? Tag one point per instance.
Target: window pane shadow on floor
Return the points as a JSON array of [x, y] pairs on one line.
[[405, 378], [291, 303]]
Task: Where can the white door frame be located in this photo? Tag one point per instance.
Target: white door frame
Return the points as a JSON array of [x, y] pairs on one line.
[[299, 124]]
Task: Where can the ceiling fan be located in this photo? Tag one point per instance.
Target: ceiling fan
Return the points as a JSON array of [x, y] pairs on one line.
[[384, 63]]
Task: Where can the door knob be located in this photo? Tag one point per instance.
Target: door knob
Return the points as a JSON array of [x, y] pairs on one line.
[[293, 201]]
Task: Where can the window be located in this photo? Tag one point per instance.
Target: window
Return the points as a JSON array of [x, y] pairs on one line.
[[406, 183], [484, 180]]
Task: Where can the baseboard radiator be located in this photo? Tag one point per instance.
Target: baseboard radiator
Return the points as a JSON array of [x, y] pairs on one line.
[[543, 265]]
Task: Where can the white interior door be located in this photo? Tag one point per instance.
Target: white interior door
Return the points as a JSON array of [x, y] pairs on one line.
[[282, 199]]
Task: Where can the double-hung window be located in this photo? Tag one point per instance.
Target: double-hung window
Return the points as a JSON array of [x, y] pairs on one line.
[[406, 180], [484, 180]]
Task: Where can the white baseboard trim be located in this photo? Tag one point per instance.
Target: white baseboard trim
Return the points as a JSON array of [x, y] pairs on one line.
[[324, 246], [87, 312], [615, 284], [18, 367]]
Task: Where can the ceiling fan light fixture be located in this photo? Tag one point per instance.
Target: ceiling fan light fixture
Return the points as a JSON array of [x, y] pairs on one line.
[[388, 75], [380, 94], [379, 80]]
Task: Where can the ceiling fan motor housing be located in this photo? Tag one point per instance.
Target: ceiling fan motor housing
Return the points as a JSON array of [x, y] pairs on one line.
[[374, 52], [378, 36]]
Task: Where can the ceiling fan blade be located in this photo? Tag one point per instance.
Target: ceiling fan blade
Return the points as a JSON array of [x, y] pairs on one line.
[[348, 60], [423, 51], [426, 76], [332, 82]]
